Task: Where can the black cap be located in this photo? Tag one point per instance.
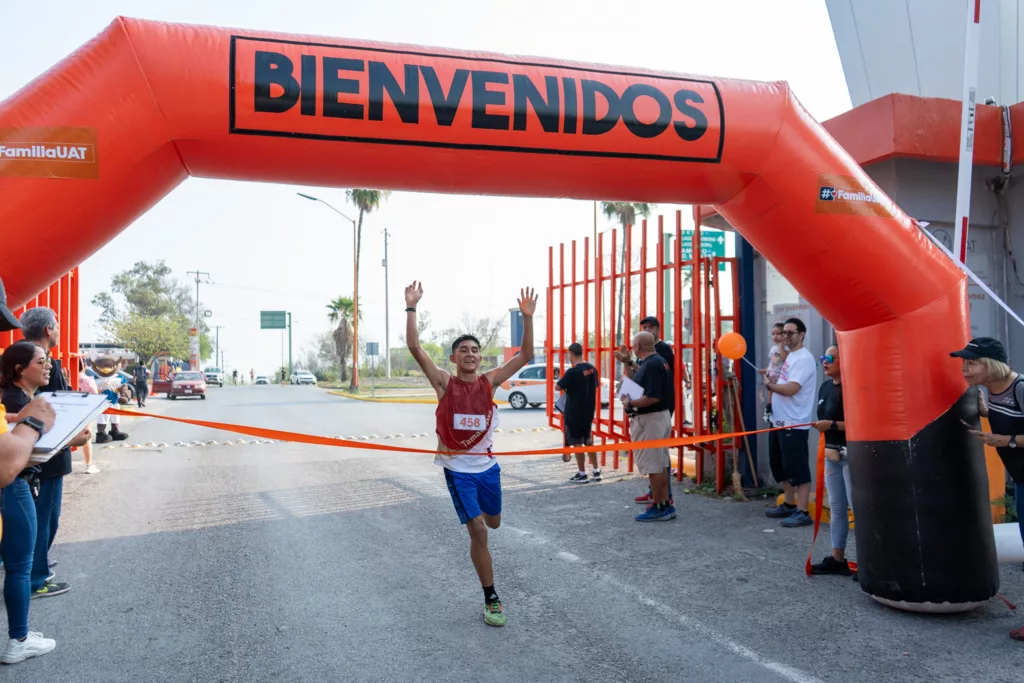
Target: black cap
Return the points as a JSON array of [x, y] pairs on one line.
[[650, 320], [7, 320], [983, 347]]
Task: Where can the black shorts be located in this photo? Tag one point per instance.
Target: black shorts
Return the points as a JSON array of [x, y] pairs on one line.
[[586, 439], [789, 457]]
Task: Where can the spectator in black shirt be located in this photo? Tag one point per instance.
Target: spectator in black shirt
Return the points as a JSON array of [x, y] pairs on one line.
[[650, 420], [24, 369], [141, 376], [580, 384], [39, 326], [831, 423]]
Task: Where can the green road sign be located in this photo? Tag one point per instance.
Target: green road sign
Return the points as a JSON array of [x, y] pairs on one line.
[[712, 243], [273, 320]]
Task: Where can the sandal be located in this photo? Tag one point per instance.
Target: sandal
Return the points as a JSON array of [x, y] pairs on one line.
[[1017, 633]]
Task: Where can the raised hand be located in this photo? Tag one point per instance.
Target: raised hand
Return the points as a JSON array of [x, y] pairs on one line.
[[623, 354], [527, 301], [413, 293]]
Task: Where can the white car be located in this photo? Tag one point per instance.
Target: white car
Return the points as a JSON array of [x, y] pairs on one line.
[[528, 387], [303, 377], [214, 376], [262, 379]]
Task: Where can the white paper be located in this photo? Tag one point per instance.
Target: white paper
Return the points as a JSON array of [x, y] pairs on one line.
[[631, 389], [74, 412]]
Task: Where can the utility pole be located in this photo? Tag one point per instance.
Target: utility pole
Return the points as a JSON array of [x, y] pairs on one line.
[[387, 319], [290, 345], [198, 273], [216, 352]]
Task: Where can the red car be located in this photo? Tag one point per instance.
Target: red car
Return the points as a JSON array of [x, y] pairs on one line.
[[188, 383]]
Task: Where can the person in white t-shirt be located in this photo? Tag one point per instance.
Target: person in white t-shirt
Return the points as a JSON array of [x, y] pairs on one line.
[[792, 401]]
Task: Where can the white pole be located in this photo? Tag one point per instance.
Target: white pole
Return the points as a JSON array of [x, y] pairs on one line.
[[963, 184]]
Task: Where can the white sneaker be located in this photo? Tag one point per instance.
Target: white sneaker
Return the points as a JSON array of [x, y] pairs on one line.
[[33, 646], [92, 469]]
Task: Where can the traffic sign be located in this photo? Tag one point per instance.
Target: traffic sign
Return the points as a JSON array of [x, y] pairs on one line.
[[273, 320], [372, 348], [712, 243]]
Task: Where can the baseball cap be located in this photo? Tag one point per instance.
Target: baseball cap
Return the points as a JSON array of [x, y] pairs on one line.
[[650, 320], [982, 347], [7, 320]]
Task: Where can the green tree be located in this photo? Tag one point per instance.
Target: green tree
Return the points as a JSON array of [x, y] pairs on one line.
[[340, 311], [149, 290], [625, 213], [147, 336]]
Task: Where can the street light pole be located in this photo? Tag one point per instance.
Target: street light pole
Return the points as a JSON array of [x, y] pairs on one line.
[[216, 352], [387, 318], [355, 293]]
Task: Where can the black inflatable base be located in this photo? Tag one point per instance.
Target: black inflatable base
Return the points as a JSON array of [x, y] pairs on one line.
[[923, 519]]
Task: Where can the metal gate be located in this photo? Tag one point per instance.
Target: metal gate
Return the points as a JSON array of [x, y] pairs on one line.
[[685, 294]]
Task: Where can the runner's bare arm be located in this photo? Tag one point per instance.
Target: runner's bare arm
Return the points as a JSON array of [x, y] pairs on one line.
[[438, 378], [527, 304]]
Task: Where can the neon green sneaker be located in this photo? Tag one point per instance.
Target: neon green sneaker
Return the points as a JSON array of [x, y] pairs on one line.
[[493, 614]]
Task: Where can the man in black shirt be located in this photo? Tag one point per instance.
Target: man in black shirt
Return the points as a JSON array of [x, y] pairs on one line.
[[650, 420], [39, 326], [580, 386], [141, 376]]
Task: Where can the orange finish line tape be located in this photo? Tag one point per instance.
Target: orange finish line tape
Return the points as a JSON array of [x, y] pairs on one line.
[[295, 437]]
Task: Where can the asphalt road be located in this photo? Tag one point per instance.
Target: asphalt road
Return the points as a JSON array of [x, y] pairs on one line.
[[282, 562]]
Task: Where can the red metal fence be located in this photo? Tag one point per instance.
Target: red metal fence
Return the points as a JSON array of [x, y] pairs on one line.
[[62, 297], [586, 300]]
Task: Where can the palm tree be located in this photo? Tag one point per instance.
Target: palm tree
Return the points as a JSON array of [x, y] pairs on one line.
[[625, 213], [367, 201], [340, 311]]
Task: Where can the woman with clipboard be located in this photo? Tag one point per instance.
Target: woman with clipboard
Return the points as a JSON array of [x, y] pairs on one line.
[[24, 369]]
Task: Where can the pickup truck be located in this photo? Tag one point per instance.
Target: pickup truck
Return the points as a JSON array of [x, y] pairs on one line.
[[214, 376]]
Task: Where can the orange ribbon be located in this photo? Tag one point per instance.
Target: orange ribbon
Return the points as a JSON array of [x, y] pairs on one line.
[[295, 437]]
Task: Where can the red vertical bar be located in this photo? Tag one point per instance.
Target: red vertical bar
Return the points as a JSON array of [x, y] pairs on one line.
[[53, 296], [572, 314], [719, 383], [598, 332], [586, 300], [677, 339], [549, 351], [612, 329], [561, 311], [75, 322], [643, 271], [627, 318], [698, 366]]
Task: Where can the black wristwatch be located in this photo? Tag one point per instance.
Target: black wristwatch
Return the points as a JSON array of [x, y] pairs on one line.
[[1013, 441], [834, 427], [33, 422]]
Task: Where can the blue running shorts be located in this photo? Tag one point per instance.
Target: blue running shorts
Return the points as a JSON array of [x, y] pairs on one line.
[[475, 494]]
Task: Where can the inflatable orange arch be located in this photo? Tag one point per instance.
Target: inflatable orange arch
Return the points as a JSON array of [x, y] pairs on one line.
[[96, 141]]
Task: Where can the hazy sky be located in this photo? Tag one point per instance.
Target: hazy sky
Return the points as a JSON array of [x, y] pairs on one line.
[[266, 248]]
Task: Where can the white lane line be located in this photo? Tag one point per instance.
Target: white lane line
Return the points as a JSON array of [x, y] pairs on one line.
[[708, 633]]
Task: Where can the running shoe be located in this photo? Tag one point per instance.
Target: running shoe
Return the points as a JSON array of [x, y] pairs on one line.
[[781, 511], [92, 469], [645, 499], [34, 645], [798, 518], [579, 478], [653, 514], [831, 565], [493, 614], [596, 475], [49, 589]]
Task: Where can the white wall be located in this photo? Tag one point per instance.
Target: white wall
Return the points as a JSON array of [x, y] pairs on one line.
[[916, 47]]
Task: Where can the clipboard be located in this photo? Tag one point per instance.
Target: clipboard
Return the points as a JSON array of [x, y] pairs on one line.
[[560, 404], [74, 412], [631, 389]]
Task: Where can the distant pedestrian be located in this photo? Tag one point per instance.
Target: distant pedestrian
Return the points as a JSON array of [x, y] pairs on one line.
[[650, 418], [141, 376], [792, 400], [832, 423], [580, 384], [87, 384], [252, 376], [234, 377]]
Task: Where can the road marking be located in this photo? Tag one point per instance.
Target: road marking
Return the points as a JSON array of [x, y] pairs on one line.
[[706, 632]]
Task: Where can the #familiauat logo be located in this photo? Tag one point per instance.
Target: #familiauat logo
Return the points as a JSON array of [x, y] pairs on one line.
[[49, 152], [845, 195], [43, 150]]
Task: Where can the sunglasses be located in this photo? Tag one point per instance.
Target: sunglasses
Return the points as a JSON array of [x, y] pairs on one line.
[[790, 333], [828, 358], [44, 362]]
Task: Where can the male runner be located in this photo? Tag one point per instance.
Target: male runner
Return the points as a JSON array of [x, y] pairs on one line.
[[466, 420]]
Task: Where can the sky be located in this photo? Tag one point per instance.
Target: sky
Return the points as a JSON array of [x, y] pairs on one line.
[[268, 249]]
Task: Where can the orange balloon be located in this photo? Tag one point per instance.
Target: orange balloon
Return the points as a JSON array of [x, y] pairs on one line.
[[732, 345]]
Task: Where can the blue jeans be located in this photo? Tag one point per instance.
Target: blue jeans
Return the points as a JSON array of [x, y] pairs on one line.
[[19, 518], [1018, 502], [48, 516], [840, 496]]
